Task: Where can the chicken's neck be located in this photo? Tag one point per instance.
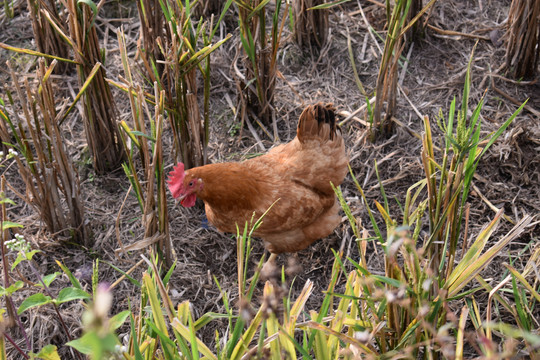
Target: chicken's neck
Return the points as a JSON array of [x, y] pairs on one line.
[[229, 184]]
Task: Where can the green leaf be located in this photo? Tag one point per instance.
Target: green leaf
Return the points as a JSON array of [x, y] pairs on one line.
[[33, 301], [392, 282], [136, 348], [5, 200], [74, 281], [223, 12], [88, 344], [23, 256], [91, 4], [93, 344], [118, 320], [71, 293], [189, 334], [109, 342], [11, 289], [206, 318], [9, 224], [167, 344], [48, 279], [502, 128], [157, 313], [48, 353], [169, 273]]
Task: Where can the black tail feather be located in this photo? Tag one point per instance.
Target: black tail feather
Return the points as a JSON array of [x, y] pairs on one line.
[[317, 120]]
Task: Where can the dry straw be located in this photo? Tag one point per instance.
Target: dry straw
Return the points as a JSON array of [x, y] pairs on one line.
[[310, 25], [523, 49], [256, 81], [176, 52], [146, 173], [387, 80], [48, 40], [99, 109], [52, 183]]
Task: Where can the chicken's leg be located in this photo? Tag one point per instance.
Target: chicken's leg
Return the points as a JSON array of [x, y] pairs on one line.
[[269, 267]]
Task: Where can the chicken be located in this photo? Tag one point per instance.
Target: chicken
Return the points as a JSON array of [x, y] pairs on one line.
[[295, 176]]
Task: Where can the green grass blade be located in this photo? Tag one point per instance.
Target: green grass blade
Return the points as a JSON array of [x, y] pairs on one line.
[[523, 281], [459, 278], [197, 345], [35, 53], [328, 5], [82, 90]]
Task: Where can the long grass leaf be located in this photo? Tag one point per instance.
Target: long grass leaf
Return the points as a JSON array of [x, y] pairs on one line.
[[508, 330], [462, 277], [241, 344], [35, 53], [189, 334], [370, 213], [130, 278], [503, 127], [166, 343], [470, 259], [345, 338], [327, 5], [523, 281], [157, 312], [87, 82], [74, 281], [461, 332], [298, 306]]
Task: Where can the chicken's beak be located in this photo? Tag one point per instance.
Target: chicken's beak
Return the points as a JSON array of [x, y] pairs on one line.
[[180, 199]]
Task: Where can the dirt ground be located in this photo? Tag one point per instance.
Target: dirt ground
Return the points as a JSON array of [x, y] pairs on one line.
[[508, 176]]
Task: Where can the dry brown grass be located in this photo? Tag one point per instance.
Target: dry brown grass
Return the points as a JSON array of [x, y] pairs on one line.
[[175, 51], [310, 26], [48, 40], [100, 113], [52, 184], [255, 66], [523, 44]]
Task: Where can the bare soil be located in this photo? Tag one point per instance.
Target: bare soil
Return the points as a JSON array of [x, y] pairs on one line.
[[508, 176]]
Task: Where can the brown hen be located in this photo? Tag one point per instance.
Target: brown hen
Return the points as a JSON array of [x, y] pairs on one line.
[[295, 176]]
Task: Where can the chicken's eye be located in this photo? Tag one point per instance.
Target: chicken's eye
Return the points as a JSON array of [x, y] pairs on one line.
[[191, 183]]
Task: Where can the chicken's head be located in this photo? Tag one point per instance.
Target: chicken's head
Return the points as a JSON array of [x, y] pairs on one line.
[[183, 185]]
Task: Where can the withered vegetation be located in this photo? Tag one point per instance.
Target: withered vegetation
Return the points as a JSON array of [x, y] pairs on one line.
[[427, 78]]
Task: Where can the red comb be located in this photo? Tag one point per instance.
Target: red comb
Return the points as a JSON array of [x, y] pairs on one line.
[[176, 180]]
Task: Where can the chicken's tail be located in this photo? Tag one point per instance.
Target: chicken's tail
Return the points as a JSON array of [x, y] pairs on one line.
[[317, 121]]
